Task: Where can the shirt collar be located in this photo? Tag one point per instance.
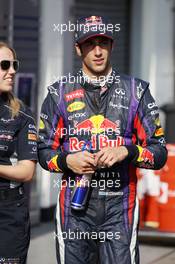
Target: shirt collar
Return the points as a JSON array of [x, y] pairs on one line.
[[87, 83]]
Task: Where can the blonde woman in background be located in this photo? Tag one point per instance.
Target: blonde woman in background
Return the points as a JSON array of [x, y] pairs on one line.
[[17, 138]]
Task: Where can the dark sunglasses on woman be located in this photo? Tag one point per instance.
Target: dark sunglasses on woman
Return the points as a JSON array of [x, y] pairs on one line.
[[5, 64]]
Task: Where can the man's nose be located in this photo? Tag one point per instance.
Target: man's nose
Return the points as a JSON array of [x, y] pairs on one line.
[[97, 50]]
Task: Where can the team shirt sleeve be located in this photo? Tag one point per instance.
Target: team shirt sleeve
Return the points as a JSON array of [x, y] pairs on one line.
[[149, 148], [27, 137], [50, 151]]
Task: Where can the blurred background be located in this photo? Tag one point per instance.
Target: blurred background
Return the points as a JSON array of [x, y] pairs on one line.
[[145, 48]]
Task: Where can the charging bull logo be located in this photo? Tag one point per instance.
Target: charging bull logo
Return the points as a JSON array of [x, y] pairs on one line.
[[145, 156], [52, 164], [97, 124]]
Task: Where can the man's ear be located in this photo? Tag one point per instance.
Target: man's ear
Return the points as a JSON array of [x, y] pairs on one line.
[[78, 49]]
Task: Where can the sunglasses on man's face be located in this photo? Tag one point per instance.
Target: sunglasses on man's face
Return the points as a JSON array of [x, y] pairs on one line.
[[6, 64]]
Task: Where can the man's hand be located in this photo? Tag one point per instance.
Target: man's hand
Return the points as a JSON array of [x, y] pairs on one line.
[[106, 157], [81, 162]]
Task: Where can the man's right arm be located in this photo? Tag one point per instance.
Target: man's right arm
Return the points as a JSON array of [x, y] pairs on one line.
[[51, 155]]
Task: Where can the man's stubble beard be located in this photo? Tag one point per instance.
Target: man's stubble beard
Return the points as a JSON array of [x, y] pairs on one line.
[[98, 73]]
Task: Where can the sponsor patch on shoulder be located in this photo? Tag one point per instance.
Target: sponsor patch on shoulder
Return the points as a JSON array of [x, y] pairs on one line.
[[32, 137]]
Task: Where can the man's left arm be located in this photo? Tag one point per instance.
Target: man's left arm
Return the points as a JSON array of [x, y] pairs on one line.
[[149, 148]]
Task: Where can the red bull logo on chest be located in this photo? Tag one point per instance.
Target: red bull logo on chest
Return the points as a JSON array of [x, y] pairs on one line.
[[98, 142]]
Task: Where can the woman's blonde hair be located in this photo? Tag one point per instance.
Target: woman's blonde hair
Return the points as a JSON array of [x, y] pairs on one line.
[[13, 102]]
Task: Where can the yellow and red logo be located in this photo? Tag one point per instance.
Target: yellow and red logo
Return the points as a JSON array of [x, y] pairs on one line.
[[98, 124], [75, 106]]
